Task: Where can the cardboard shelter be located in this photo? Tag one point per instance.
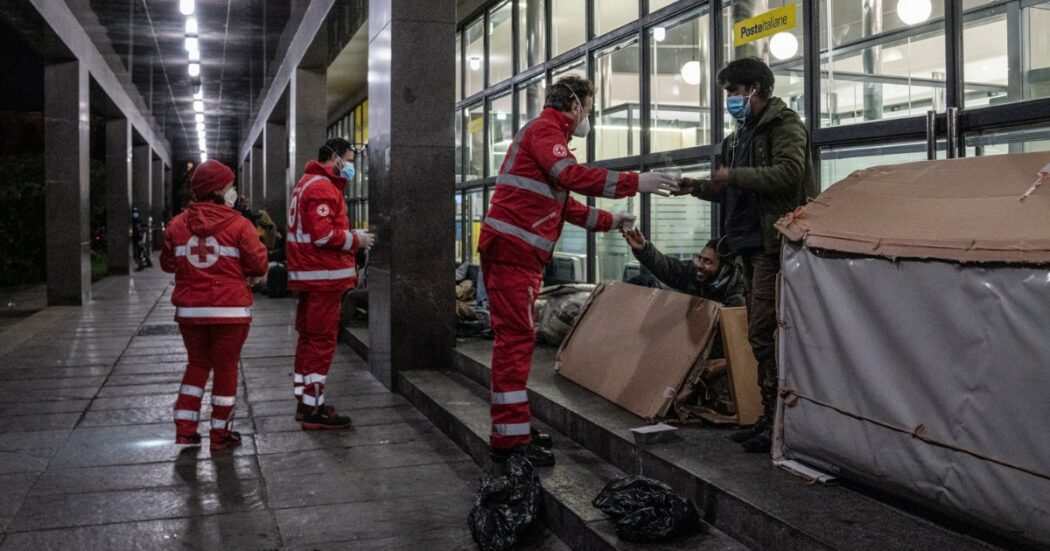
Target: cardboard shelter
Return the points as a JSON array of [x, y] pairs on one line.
[[643, 349], [914, 349]]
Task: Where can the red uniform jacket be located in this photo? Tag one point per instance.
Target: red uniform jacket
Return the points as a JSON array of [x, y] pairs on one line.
[[321, 246], [532, 202], [212, 250]]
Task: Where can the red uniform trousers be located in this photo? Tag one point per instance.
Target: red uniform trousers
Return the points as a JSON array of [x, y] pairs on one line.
[[512, 294], [317, 321], [211, 348]]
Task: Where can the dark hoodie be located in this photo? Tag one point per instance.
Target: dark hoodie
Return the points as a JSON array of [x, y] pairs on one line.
[[727, 287]]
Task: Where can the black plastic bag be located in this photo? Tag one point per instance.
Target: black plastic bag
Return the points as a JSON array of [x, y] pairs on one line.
[[647, 510], [507, 506]]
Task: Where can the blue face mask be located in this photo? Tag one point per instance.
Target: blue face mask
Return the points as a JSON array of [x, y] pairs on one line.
[[739, 106], [349, 171]]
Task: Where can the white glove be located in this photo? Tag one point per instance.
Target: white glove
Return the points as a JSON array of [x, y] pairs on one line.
[[659, 183], [365, 240], [623, 221]]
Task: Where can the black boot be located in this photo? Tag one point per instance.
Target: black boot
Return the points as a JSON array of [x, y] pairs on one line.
[[743, 435], [542, 439], [762, 442], [536, 455]]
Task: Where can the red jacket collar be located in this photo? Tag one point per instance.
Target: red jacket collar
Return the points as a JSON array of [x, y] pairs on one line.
[[318, 169], [563, 121]]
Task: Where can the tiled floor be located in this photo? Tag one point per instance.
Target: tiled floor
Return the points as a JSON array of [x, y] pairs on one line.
[[87, 459]]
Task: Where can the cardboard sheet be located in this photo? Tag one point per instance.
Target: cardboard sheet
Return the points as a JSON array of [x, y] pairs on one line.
[[635, 346], [743, 368], [962, 210]]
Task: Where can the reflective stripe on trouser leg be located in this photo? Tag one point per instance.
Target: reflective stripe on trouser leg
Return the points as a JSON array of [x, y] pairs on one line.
[[318, 325], [511, 291], [188, 401], [297, 384], [227, 341]]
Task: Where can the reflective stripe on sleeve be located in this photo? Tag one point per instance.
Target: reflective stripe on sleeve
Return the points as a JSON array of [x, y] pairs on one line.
[[611, 178], [349, 244], [561, 165], [592, 218]]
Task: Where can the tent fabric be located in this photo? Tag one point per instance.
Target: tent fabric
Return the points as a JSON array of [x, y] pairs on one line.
[[963, 210], [873, 350]]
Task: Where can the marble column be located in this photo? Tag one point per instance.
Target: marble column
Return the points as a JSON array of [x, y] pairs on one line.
[[244, 184], [118, 196], [307, 114], [275, 153], [157, 204], [67, 182], [410, 117], [258, 193]]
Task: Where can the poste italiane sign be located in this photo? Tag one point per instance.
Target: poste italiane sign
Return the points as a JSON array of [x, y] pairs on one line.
[[767, 24]]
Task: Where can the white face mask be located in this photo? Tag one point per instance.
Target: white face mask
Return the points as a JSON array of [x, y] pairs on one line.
[[230, 197], [583, 127]]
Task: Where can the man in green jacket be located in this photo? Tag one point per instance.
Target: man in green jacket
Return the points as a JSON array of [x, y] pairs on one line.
[[766, 171]]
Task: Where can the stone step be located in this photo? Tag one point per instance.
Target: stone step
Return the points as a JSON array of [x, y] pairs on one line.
[[742, 494], [459, 407]]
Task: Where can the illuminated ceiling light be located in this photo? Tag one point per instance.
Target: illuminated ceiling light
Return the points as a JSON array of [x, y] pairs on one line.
[[204, 156], [198, 106], [475, 63], [199, 94], [200, 126], [199, 118], [691, 73], [191, 26], [913, 12], [203, 144], [892, 55], [192, 43], [659, 34], [195, 56], [186, 7], [195, 69], [783, 45]]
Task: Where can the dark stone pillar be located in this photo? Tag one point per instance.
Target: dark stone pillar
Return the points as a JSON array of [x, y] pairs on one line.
[[307, 117], [67, 182], [258, 193], [275, 153], [244, 186], [157, 203], [118, 196], [410, 116]]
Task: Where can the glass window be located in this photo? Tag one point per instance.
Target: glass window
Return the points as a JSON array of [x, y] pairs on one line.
[[475, 77], [500, 131], [570, 253], [837, 163], [880, 79], [681, 226], [475, 214], [1011, 140], [575, 68], [568, 25], [532, 47], [459, 146], [613, 14], [475, 156], [782, 51], [501, 65], [459, 66], [659, 4], [680, 85], [531, 97], [617, 111], [989, 76], [612, 254]]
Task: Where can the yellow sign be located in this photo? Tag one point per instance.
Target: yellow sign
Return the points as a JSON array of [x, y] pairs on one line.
[[767, 24]]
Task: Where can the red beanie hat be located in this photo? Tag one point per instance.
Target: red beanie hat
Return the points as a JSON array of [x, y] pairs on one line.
[[209, 177]]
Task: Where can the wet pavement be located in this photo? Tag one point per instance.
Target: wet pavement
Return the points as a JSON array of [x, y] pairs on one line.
[[87, 459]]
